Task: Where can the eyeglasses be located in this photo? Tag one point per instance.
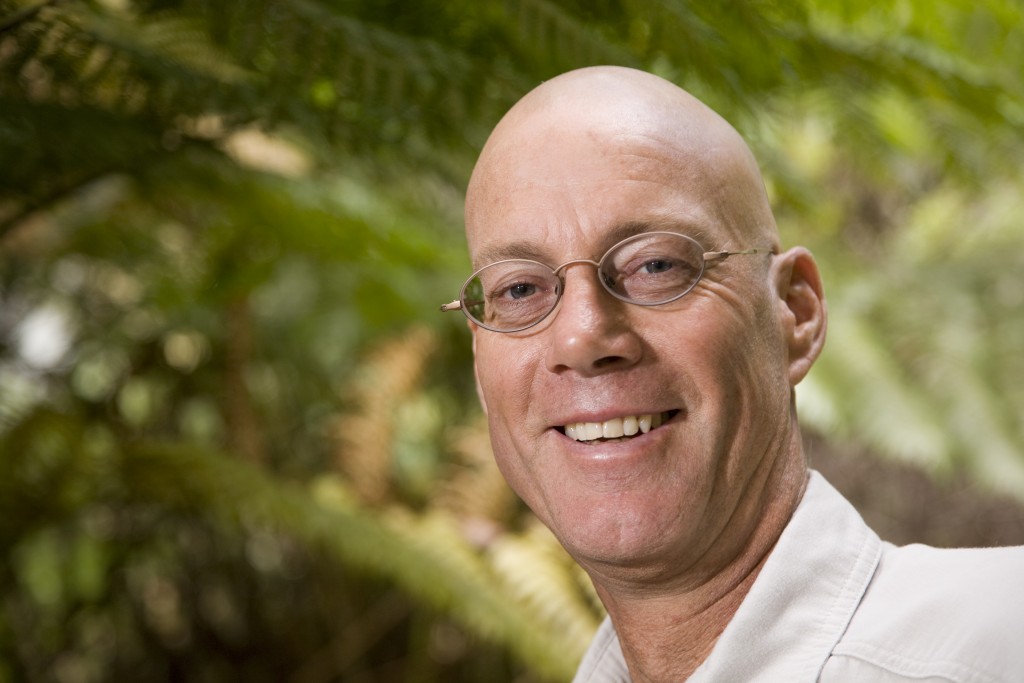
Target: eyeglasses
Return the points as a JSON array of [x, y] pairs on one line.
[[647, 270]]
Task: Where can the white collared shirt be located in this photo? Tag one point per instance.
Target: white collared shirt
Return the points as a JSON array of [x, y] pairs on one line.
[[835, 604]]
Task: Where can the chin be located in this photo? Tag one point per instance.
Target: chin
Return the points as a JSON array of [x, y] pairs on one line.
[[620, 535]]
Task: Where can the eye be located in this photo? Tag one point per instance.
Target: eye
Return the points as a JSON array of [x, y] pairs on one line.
[[658, 266], [646, 266], [653, 268], [521, 290]]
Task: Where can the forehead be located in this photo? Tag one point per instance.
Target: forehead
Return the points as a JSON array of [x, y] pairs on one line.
[[554, 194]]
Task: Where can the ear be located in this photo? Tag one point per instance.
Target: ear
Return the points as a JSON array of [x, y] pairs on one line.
[[474, 330], [804, 313]]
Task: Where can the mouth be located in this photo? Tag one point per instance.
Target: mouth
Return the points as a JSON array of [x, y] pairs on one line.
[[617, 428]]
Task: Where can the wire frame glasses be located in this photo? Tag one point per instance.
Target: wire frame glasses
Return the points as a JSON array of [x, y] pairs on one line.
[[647, 270]]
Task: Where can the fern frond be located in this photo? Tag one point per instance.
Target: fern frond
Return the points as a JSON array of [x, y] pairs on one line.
[[560, 40], [78, 53], [427, 557], [475, 491], [164, 40], [389, 377], [929, 330], [538, 572], [867, 389], [973, 414]]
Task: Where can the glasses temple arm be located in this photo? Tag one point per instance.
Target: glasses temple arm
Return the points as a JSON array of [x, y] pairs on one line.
[[451, 306], [712, 256]]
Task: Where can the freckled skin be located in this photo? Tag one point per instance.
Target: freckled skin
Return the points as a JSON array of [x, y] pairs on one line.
[[686, 514]]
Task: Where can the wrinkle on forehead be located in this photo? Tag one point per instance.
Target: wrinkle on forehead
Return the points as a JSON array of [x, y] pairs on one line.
[[645, 125]]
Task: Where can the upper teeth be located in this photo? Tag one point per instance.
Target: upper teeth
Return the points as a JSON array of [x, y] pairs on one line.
[[613, 428]]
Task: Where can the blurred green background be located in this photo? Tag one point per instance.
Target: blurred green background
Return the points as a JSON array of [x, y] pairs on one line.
[[238, 441]]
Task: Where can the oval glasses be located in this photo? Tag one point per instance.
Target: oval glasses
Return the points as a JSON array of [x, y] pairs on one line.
[[647, 270]]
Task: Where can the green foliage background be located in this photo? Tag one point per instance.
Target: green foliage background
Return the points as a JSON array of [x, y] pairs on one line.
[[238, 442]]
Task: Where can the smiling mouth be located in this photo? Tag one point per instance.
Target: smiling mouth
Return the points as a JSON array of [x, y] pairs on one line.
[[617, 428]]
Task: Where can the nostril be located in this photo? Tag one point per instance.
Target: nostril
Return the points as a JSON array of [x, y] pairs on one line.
[[608, 361]]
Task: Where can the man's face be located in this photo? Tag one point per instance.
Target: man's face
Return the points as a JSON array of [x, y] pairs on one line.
[[712, 365]]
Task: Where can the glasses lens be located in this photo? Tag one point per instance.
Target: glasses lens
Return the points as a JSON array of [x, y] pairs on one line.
[[511, 295], [653, 268]]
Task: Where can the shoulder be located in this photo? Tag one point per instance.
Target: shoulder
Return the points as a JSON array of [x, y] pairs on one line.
[[984, 585], [941, 614]]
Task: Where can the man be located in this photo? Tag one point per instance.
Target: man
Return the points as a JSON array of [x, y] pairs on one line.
[[638, 333]]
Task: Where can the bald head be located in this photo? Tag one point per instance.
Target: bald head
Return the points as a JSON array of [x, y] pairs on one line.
[[583, 172], [634, 119]]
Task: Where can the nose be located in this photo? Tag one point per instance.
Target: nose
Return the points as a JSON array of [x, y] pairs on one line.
[[591, 333]]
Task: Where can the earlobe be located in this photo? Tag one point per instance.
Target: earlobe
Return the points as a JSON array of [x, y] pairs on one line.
[[474, 330], [805, 314]]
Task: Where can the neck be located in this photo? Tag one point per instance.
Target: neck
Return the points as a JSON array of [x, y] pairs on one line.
[[667, 629], [666, 638]]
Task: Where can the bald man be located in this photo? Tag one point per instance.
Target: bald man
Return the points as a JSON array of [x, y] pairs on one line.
[[638, 333]]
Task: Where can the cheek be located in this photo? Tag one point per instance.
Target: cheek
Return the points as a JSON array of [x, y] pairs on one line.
[[506, 372], [737, 360], [512, 453], [502, 376], [752, 372]]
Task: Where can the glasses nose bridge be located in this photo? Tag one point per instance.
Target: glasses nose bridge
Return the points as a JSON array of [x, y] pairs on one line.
[[558, 271]]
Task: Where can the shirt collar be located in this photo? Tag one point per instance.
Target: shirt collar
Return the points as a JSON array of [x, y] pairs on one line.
[[804, 597], [797, 609]]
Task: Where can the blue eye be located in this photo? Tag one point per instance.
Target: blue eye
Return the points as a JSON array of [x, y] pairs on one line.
[[521, 290], [659, 266]]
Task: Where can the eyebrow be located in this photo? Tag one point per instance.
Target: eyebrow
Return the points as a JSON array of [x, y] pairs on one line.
[[527, 250], [512, 250], [660, 224]]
